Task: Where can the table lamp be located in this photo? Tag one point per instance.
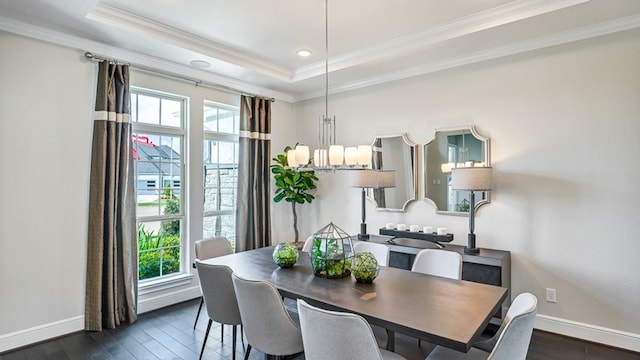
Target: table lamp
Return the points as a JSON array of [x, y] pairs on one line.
[[371, 179], [471, 179]]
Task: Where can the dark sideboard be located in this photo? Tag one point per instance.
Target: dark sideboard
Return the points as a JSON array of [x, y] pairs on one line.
[[489, 267]]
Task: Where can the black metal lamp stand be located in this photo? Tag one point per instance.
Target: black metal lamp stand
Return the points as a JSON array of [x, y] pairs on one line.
[[363, 226], [471, 238]]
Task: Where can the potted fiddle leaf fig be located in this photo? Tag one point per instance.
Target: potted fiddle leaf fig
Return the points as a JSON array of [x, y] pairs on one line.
[[294, 187]]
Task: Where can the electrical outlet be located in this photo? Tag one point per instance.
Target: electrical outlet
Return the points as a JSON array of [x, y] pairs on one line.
[[551, 295]]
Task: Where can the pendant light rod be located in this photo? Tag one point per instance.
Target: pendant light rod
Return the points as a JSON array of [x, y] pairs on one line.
[[326, 125], [329, 155], [326, 57]]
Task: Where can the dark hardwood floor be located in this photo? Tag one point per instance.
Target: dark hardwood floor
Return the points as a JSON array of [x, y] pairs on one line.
[[168, 334]]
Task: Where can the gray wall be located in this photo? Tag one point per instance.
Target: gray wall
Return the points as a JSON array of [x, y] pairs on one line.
[[47, 98], [564, 125]]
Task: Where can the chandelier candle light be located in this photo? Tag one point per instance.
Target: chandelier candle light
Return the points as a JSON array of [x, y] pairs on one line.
[[471, 179], [329, 155]]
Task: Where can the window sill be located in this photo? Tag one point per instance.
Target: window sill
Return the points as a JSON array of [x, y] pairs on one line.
[[164, 283]]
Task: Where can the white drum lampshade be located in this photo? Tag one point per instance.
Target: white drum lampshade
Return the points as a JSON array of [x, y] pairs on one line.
[[472, 178]]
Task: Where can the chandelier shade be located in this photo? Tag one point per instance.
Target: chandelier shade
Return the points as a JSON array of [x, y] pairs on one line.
[[329, 155]]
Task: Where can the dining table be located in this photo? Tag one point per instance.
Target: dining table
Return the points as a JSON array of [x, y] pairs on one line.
[[448, 312]]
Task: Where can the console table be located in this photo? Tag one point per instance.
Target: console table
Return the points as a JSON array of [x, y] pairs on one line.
[[489, 267]]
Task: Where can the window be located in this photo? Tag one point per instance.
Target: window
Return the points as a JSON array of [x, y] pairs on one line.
[[220, 161], [158, 146]]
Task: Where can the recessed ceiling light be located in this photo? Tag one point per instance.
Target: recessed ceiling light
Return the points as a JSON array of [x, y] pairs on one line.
[[200, 64], [304, 52]]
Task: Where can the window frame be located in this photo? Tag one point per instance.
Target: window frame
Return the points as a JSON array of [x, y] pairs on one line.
[[183, 276], [210, 135]]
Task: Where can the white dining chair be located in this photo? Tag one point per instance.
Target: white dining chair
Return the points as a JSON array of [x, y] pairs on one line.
[[380, 252], [220, 300], [442, 263], [331, 335], [267, 325], [207, 249], [308, 244], [512, 340]]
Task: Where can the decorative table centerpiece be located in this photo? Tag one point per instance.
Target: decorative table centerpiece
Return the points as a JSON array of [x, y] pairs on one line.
[[285, 255], [331, 252], [365, 267]]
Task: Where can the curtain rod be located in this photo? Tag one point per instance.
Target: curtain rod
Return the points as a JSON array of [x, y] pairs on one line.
[[93, 57]]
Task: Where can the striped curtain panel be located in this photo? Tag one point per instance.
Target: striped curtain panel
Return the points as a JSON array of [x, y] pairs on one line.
[[112, 256], [253, 216]]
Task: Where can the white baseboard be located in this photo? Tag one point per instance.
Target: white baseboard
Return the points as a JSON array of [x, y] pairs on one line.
[[63, 327], [167, 299], [594, 333], [40, 333]]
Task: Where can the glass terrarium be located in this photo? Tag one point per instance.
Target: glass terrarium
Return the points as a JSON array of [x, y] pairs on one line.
[[285, 255], [365, 267], [331, 253]]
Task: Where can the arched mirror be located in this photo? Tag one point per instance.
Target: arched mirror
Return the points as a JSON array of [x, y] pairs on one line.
[[451, 148], [398, 153]]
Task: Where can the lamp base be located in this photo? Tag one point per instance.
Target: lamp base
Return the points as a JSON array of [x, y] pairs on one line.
[[471, 251], [363, 232], [471, 248]]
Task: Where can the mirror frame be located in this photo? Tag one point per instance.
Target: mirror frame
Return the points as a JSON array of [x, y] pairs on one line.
[[415, 173], [486, 141]]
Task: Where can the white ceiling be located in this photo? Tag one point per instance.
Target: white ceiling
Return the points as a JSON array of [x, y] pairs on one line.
[[251, 44]]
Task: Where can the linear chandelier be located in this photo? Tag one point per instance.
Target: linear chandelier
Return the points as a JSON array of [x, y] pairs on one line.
[[329, 155]]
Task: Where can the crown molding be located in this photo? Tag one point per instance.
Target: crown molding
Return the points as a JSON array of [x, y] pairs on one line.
[[197, 75], [587, 32], [499, 15], [138, 60], [140, 25]]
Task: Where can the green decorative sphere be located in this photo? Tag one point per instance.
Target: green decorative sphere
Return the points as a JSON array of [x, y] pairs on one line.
[[365, 267], [285, 255]]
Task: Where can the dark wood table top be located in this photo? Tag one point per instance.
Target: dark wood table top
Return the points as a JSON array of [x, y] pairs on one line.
[[442, 311]]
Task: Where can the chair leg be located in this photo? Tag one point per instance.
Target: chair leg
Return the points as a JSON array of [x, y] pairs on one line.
[[233, 345], [198, 314], [246, 354], [242, 333], [206, 336], [221, 332]]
